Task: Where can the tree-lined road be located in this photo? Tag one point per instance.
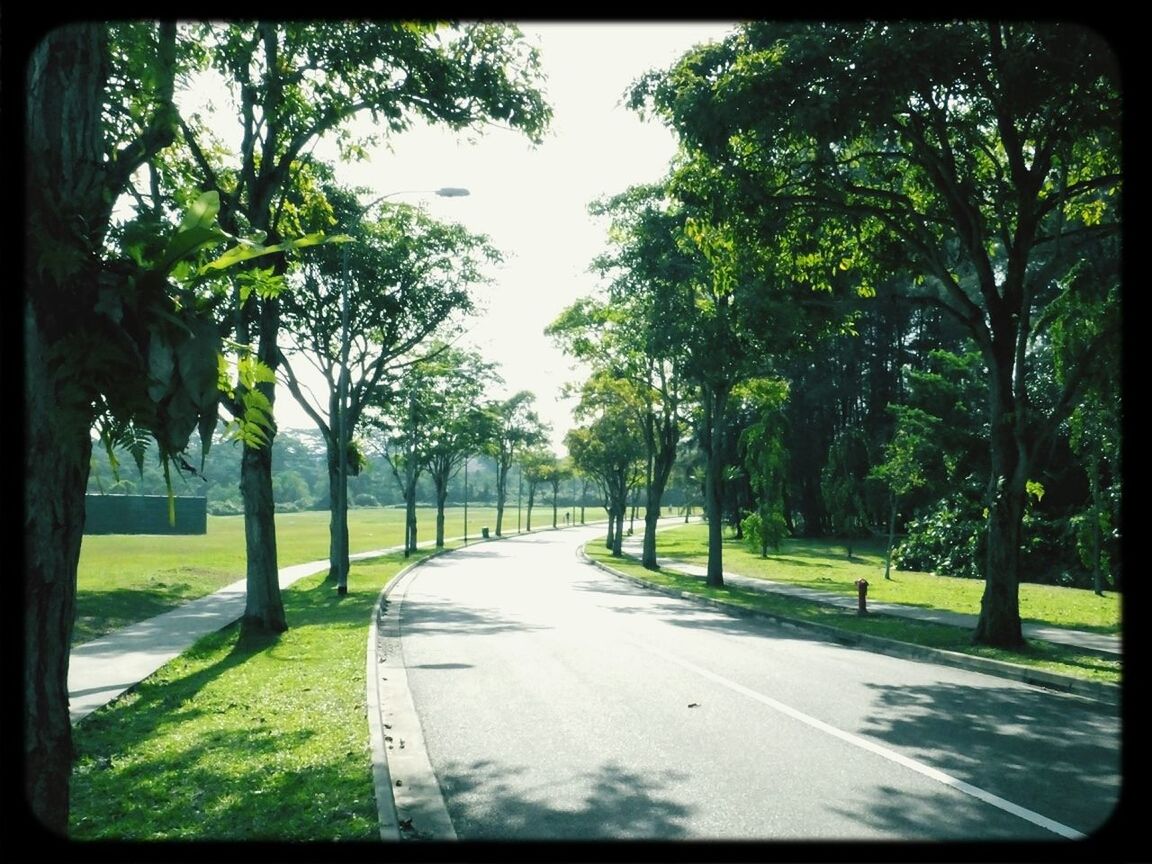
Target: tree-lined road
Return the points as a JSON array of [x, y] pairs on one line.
[[560, 702]]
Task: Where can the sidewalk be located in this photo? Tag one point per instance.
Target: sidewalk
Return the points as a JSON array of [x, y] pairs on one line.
[[100, 670]]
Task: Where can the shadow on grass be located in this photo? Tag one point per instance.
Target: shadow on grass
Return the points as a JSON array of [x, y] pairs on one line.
[[218, 745]]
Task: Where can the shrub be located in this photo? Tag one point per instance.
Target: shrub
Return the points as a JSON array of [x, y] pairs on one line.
[[757, 534]]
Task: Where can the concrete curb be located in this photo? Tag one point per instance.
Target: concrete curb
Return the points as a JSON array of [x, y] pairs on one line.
[[1107, 693], [409, 804]]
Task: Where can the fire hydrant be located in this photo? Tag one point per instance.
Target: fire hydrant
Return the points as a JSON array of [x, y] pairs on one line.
[[861, 596]]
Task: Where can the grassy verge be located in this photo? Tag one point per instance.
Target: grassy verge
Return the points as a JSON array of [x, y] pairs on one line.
[[824, 566], [243, 740], [128, 578], [1052, 658]]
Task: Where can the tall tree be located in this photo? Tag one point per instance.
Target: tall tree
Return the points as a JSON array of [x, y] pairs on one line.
[[638, 329], [115, 330], [515, 427], [538, 465], [610, 446], [765, 457], [988, 157], [456, 425], [295, 83], [360, 313]]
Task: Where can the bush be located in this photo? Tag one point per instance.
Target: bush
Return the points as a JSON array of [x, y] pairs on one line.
[[758, 535], [226, 507], [945, 540]]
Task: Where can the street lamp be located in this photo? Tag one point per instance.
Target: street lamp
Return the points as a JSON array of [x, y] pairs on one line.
[[343, 435]]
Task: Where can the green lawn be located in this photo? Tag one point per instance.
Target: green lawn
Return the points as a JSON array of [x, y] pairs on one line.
[[824, 566], [125, 578], [236, 741]]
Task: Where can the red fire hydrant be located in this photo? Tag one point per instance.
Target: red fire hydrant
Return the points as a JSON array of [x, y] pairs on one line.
[[861, 596]]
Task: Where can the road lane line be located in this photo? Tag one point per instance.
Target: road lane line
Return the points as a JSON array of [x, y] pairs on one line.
[[884, 752]]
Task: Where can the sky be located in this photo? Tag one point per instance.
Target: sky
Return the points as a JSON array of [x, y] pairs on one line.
[[531, 201]]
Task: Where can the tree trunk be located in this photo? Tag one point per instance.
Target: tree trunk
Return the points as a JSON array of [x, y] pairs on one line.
[[57, 450], [410, 517], [264, 609], [715, 401], [652, 508], [441, 500], [618, 537], [999, 622], [338, 549], [501, 495], [891, 538]]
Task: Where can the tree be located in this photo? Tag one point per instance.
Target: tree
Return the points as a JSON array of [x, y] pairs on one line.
[[610, 447], [515, 427], [537, 465], [117, 331], [561, 471], [1088, 308], [843, 481], [902, 470], [295, 83], [637, 330], [361, 310], [765, 459], [988, 158], [432, 420]]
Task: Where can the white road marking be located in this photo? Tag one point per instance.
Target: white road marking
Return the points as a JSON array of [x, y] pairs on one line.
[[884, 752]]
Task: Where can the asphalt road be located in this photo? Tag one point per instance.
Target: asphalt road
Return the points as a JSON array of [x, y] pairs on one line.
[[558, 702]]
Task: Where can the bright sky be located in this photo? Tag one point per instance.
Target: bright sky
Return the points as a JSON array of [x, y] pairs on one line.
[[532, 202]]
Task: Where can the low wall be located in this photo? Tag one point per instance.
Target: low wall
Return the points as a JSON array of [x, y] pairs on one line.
[[144, 514]]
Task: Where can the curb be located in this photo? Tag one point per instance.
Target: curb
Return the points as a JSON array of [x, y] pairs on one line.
[[406, 788], [1106, 693]]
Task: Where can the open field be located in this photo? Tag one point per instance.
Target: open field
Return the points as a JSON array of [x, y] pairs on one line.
[[125, 578]]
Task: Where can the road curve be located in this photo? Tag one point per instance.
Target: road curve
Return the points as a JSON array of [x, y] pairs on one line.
[[526, 695]]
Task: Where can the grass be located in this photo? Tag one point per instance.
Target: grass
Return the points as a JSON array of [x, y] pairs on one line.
[[243, 740], [128, 578], [823, 566]]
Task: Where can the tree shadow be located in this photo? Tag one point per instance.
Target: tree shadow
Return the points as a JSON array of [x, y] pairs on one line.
[[431, 616], [1061, 754], [485, 803]]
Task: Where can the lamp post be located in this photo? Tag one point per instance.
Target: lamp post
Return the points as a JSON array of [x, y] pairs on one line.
[[341, 425]]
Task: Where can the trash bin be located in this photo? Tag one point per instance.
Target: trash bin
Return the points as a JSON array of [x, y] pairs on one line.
[[484, 533]]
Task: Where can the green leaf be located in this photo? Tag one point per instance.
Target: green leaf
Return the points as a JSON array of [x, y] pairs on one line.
[[202, 213], [161, 366]]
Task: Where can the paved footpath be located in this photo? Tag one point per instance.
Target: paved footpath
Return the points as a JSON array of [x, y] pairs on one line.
[[100, 670]]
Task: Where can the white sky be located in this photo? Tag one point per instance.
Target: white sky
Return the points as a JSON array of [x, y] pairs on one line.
[[532, 202]]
